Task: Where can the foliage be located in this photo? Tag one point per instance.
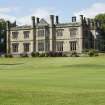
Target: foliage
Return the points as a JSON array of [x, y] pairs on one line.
[[2, 36], [92, 53], [35, 54], [49, 54], [24, 55], [101, 19], [8, 55], [74, 54]]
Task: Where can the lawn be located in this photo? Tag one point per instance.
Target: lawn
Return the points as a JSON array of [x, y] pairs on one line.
[[52, 81]]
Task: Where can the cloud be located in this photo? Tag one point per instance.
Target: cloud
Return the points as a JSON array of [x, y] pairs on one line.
[[5, 13], [39, 12], [92, 11], [5, 10]]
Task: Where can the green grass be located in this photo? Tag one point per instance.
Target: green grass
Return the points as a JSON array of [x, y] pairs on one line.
[[52, 81]]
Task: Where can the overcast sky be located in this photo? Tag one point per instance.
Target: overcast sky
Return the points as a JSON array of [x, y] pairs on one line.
[[22, 10]]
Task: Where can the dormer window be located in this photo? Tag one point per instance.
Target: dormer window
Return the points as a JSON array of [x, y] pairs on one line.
[[15, 35], [26, 34]]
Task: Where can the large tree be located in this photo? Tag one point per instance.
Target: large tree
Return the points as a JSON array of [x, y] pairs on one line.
[[2, 36], [101, 19]]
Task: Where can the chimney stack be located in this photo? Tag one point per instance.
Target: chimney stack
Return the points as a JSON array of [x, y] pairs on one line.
[[37, 19], [74, 19], [8, 25], [57, 19], [52, 20], [81, 17], [33, 21]]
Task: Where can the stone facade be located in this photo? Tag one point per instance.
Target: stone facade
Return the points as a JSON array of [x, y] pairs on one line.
[[45, 37]]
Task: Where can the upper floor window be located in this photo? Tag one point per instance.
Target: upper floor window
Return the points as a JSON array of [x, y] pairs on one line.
[[26, 47], [26, 34], [41, 33], [59, 46], [60, 32], [15, 35], [15, 47], [73, 32]]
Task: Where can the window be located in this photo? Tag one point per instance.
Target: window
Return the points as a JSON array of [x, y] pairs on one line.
[[15, 47], [47, 45], [60, 32], [14, 35], [73, 46], [41, 46], [26, 34], [41, 33], [26, 47], [73, 32], [59, 46]]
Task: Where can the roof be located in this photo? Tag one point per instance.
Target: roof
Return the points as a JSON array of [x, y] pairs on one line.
[[43, 23]]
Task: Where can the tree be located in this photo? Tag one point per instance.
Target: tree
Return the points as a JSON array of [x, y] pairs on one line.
[[2, 36], [101, 19]]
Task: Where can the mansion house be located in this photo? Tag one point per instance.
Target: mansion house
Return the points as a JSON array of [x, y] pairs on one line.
[[44, 37]]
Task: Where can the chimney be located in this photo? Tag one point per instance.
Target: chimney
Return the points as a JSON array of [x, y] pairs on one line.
[[52, 19], [74, 19], [37, 19], [57, 19], [8, 25], [33, 21], [81, 17], [88, 20]]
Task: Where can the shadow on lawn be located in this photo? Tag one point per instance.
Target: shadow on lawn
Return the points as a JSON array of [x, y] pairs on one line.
[[85, 66], [10, 64]]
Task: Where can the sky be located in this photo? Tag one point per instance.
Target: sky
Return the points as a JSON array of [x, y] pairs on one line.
[[22, 10]]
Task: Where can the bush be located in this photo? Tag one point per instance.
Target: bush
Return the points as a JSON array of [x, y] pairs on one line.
[[35, 54], [24, 55], [93, 53], [42, 55], [8, 55], [74, 54]]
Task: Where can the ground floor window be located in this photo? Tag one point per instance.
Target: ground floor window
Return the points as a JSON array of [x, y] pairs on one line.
[[59, 46], [15, 47], [40, 45], [73, 45], [47, 45], [26, 47]]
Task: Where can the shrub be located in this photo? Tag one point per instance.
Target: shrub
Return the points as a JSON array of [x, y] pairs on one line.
[[74, 54], [93, 53], [8, 55], [34, 54], [42, 55], [24, 55]]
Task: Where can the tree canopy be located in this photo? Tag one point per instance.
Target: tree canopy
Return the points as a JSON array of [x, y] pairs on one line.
[[101, 19], [2, 36]]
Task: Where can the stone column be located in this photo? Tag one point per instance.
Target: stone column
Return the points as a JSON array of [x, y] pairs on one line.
[[34, 33], [52, 34], [82, 34], [8, 44]]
